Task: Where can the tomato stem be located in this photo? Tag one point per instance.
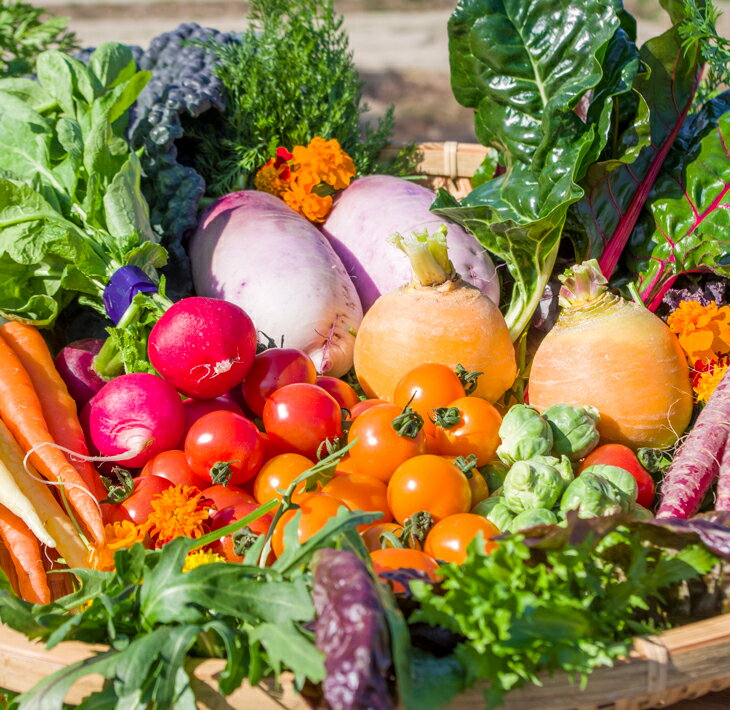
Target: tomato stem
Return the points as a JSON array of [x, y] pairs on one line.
[[416, 528], [408, 423], [220, 472], [468, 379], [466, 464], [446, 417]]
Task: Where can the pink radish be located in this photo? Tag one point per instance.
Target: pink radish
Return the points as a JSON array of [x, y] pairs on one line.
[[196, 408], [697, 462], [134, 417], [722, 502], [203, 346], [74, 365]]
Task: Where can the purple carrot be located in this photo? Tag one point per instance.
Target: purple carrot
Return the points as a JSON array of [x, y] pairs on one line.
[[723, 480], [697, 462]]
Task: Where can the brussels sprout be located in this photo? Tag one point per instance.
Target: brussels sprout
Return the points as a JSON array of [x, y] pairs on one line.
[[530, 518], [485, 507], [497, 492], [524, 434], [574, 429], [501, 516], [640, 512], [494, 473], [620, 478], [531, 484], [563, 466], [592, 496]]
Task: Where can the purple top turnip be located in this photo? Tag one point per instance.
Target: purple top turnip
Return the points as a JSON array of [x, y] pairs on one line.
[[74, 365]]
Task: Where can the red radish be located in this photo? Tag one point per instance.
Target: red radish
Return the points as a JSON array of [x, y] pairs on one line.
[[697, 462], [74, 365], [134, 417], [272, 369], [722, 502], [196, 408], [203, 346]]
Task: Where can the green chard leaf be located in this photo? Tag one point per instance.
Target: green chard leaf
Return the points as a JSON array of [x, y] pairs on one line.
[[687, 219], [525, 66]]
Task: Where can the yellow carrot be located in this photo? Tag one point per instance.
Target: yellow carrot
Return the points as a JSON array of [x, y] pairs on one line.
[[49, 512]]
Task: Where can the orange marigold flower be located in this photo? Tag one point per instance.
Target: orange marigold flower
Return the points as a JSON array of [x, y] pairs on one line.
[[327, 160], [179, 511], [708, 381], [308, 204], [118, 535], [703, 331], [274, 176]]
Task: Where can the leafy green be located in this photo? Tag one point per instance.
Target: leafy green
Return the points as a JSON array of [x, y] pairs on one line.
[[571, 599], [687, 220], [525, 66], [24, 35], [291, 78]]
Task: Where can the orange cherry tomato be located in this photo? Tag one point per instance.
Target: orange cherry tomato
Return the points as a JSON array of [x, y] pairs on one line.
[[173, 465], [344, 394], [430, 483], [226, 546], [371, 536], [378, 448], [359, 491], [396, 558], [426, 387], [362, 406], [476, 431], [345, 465], [448, 539], [278, 473], [477, 482], [316, 509]]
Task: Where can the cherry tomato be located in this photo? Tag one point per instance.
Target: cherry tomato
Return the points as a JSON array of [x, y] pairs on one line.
[[426, 387], [479, 487], [224, 444], [345, 465], [623, 457], [226, 546], [396, 558], [448, 539], [173, 465], [359, 491], [299, 417], [344, 394], [317, 509], [429, 483], [196, 408], [371, 536], [475, 432], [378, 449], [363, 405], [272, 369], [137, 507], [226, 496], [278, 473]]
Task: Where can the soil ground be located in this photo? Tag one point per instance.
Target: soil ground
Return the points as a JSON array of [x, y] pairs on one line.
[[399, 46]]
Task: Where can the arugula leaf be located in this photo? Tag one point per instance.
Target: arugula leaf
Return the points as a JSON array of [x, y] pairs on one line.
[[688, 217], [286, 645]]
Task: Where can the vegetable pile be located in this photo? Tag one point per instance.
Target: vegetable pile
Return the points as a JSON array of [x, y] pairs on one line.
[[394, 443]]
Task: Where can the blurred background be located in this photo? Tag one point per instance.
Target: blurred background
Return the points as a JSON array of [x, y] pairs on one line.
[[399, 46]]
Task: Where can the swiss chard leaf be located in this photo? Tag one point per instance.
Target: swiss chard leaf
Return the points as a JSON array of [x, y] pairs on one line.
[[688, 218]]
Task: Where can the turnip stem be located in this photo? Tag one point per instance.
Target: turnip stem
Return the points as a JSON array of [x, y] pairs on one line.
[[428, 255]]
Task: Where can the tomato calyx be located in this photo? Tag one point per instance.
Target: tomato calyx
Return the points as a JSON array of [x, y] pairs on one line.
[[408, 423], [446, 417], [119, 491], [269, 344], [220, 472], [468, 379], [243, 540], [466, 464], [416, 528]]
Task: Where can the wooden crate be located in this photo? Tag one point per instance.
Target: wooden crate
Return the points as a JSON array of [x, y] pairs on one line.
[[686, 662]]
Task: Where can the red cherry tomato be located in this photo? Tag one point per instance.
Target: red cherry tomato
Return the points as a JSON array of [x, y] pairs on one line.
[[344, 394], [173, 465], [226, 496], [623, 457], [299, 417], [427, 387], [138, 506], [272, 369], [448, 539], [226, 546], [225, 447], [390, 559], [196, 408]]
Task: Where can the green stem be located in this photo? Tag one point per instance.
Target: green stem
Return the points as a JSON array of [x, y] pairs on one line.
[[428, 255]]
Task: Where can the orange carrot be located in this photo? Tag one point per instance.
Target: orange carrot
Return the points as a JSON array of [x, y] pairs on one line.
[[21, 410], [7, 566], [59, 409], [26, 555]]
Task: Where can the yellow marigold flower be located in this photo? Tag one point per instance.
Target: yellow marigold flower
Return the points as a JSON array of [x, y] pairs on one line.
[[708, 381], [703, 331], [179, 511], [200, 557]]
